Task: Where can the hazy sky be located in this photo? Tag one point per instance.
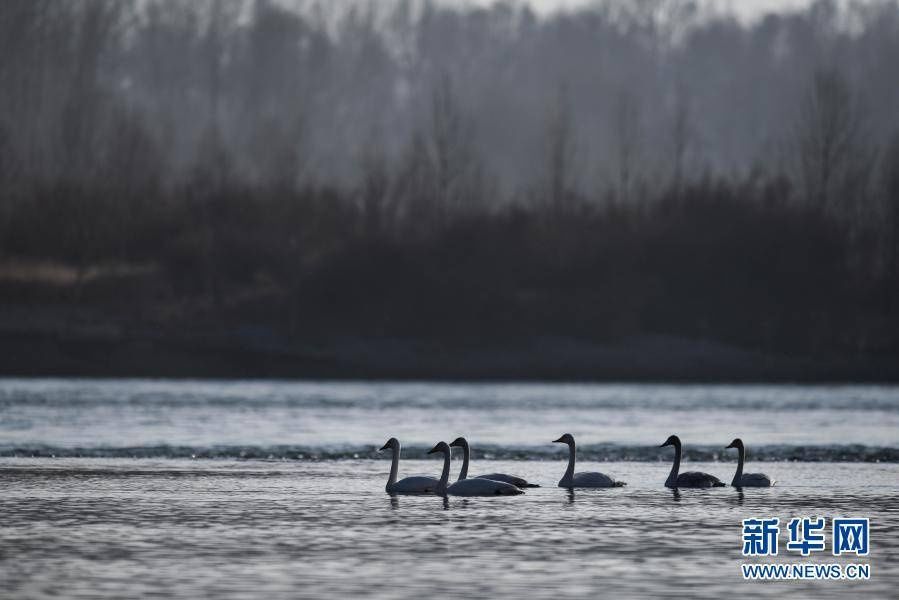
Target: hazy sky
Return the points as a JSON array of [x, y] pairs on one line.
[[748, 9]]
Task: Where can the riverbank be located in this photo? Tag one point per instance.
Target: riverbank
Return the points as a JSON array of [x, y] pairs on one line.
[[114, 350]]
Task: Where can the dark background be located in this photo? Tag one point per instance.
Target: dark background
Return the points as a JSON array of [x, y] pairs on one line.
[[633, 190]]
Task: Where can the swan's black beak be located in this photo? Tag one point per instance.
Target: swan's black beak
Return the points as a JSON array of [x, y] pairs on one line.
[[666, 443], [434, 449], [558, 441], [384, 447], [456, 443], [730, 445]]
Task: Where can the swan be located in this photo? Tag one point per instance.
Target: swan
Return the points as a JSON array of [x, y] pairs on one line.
[[690, 479], [588, 480], [408, 485], [469, 487], [461, 442], [749, 479]]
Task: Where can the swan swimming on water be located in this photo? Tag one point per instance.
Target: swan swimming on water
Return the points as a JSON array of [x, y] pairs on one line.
[[408, 485], [461, 442], [588, 480], [749, 479], [690, 479], [469, 487]]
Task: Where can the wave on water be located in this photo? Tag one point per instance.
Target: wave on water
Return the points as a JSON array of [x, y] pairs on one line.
[[588, 452], [210, 395]]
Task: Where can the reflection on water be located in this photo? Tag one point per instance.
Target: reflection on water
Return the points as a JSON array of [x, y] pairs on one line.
[[284, 529]]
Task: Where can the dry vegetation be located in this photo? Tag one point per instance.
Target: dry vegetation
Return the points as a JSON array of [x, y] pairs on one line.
[[288, 180]]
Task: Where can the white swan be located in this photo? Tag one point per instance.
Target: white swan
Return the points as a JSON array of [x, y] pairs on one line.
[[461, 442], [690, 479], [408, 485], [469, 487], [749, 479], [588, 480]]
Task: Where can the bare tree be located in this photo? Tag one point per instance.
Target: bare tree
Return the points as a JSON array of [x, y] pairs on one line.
[[455, 165], [83, 110], [446, 122], [680, 136], [414, 190], [278, 157], [890, 183], [6, 159], [826, 134], [628, 142], [561, 151], [374, 188]]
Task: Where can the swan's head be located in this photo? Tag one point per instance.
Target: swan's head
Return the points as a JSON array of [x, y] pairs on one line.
[[391, 443], [672, 440], [737, 443], [440, 447], [459, 442], [566, 438]]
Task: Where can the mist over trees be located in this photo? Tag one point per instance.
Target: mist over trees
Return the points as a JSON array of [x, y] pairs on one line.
[[414, 169]]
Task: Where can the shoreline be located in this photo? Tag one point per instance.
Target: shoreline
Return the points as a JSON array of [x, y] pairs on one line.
[[230, 356]]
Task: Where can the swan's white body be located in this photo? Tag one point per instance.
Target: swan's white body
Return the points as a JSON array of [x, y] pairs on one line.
[[583, 480], [408, 485], [417, 484], [591, 480], [469, 487], [753, 480], [482, 487], [690, 479], [747, 479], [466, 456]]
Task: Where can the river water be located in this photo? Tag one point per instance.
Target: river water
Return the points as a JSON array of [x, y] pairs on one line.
[[187, 489]]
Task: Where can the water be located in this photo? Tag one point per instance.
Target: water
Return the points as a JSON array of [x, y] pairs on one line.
[[93, 522], [258, 419]]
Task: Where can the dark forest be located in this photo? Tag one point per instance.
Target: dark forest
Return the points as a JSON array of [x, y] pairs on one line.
[[631, 190]]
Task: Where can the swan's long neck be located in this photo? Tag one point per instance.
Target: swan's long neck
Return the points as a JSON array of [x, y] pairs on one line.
[[675, 468], [569, 472], [394, 466], [466, 455], [738, 476], [444, 476]]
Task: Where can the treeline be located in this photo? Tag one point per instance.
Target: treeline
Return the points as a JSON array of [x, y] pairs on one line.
[[416, 171], [618, 98], [745, 262]]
